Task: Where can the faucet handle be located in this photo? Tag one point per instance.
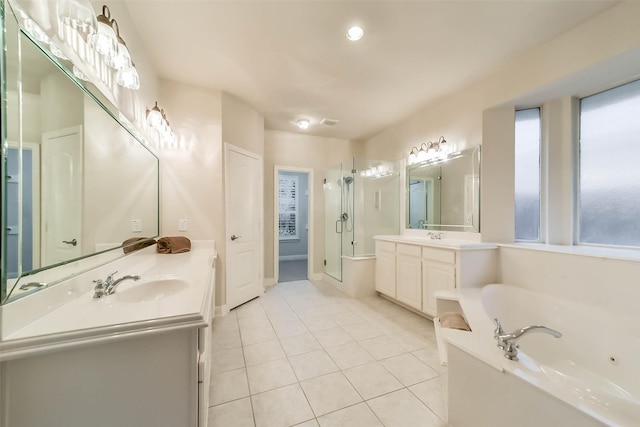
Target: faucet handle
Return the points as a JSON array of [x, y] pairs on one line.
[[498, 330], [110, 276]]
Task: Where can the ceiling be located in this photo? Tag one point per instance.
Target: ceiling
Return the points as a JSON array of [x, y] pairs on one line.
[[291, 59]]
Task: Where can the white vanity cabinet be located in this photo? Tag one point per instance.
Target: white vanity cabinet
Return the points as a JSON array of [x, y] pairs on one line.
[[411, 270], [386, 268], [438, 274], [408, 275], [128, 359]]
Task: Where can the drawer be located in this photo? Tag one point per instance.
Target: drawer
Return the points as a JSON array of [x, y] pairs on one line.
[[385, 246], [439, 255], [410, 250]]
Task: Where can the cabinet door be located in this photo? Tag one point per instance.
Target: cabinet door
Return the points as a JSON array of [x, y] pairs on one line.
[[408, 280], [386, 273], [436, 276]]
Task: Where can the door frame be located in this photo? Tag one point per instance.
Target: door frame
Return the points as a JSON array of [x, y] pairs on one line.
[[35, 176], [276, 238], [227, 148]]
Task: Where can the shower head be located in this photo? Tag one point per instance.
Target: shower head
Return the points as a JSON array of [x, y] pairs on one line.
[[348, 180]]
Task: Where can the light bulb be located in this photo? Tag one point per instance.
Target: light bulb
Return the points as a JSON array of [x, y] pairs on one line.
[[303, 124], [355, 33]]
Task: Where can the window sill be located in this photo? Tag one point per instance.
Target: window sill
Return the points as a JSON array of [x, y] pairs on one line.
[[623, 254], [290, 240]]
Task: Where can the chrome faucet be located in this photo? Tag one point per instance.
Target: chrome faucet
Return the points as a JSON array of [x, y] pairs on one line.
[[435, 236], [507, 342], [108, 286]]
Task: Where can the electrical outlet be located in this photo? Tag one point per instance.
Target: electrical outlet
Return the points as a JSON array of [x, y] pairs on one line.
[[182, 225], [136, 225]]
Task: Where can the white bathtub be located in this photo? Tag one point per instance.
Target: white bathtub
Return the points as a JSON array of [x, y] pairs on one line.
[[589, 376]]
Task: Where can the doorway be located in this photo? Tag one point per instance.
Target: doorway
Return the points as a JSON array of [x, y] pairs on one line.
[[293, 190]]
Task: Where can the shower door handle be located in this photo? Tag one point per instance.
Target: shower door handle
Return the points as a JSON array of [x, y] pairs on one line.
[[339, 229]]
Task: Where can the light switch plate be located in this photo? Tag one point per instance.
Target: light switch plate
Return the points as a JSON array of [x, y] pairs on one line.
[[182, 225], [136, 225]]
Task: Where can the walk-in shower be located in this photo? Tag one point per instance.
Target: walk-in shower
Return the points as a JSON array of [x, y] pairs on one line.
[[361, 199]]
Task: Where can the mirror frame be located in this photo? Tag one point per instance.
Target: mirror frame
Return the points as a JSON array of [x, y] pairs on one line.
[[474, 153], [85, 262]]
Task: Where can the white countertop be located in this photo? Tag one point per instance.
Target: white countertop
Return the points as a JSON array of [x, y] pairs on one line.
[[445, 243], [67, 314]]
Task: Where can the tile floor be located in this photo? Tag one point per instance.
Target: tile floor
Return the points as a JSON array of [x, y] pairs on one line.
[[305, 354]]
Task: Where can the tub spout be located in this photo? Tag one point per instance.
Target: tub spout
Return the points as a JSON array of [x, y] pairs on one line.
[[528, 329], [507, 342]]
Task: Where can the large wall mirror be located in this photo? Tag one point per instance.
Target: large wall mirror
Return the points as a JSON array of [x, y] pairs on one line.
[[76, 183], [444, 195]]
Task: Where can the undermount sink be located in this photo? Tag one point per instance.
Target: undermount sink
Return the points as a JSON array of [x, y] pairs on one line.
[[149, 290]]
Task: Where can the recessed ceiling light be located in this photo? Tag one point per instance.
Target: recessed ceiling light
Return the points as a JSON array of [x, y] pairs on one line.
[[303, 124], [355, 33]]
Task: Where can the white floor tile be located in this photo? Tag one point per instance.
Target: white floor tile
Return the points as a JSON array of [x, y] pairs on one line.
[[287, 348], [372, 380], [290, 329], [311, 365], [329, 393], [300, 344], [226, 340], [349, 355], [270, 375], [408, 369], [318, 322], [332, 337], [228, 386], [227, 360], [285, 406], [382, 347], [362, 331], [431, 393], [233, 414], [257, 335], [354, 416], [402, 409], [256, 354]]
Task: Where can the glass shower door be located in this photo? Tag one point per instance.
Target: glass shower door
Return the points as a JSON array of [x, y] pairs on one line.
[[333, 224]]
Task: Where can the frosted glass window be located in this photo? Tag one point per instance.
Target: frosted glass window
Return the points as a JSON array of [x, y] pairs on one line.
[[609, 196], [527, 174]]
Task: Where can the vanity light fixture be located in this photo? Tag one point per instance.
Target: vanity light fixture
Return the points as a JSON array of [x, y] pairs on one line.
[[429, 151], [78, 15], [158, 123], [355, 33], [104, 40], [121, 59], [128, 77], [303, 124]]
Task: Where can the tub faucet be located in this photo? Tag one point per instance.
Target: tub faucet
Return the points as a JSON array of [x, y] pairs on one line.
[[507, 342], [108, 286]]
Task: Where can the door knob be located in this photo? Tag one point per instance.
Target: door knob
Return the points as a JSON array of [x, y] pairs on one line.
[[70, 242], [234, 237]]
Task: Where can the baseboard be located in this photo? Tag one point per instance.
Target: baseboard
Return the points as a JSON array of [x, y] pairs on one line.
[[318, 276], [269, 281], [221, 310], [293, 257]]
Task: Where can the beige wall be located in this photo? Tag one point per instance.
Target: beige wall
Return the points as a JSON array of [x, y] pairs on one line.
[[594, 55], [304, 151], [192, 180], [600, 53]]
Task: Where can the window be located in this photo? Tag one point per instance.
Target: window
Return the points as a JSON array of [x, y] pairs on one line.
[[527, 174], [288, 211], [609, 180]]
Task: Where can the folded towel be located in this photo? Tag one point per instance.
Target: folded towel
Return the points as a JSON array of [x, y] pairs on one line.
[[173, 245], [136, 243], [454, 321]]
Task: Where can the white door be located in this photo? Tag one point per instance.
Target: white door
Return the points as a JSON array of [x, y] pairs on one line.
[[244, 212], [61, 195]]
